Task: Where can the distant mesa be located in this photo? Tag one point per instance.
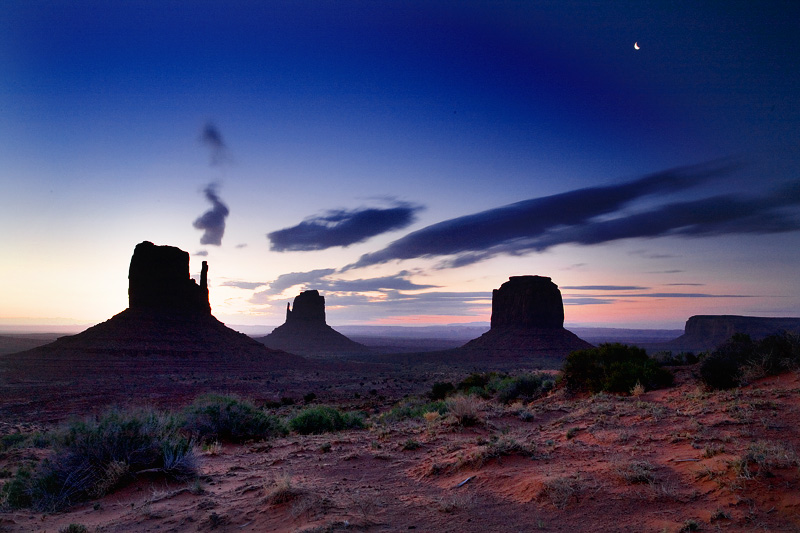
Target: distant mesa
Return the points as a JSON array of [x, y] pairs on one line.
[[168, 315], [306, 331], [706, 332], [527, 320]]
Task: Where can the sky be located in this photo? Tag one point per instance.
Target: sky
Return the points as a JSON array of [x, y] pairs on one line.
[[404, 158]]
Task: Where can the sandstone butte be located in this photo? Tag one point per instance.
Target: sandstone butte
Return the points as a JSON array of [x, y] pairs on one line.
[[306, 331]]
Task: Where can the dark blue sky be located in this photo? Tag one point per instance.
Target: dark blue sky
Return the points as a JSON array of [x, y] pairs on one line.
[[346, 130]]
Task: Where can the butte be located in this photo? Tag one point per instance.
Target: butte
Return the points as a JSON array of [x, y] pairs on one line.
[[527, 321], [168, 319], [306, 331]]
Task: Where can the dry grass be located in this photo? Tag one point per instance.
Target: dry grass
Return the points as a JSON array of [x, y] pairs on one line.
[[634, 472], [560, 491], [282, 491], [466, 410]]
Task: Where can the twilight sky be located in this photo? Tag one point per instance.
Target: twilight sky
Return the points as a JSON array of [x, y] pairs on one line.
[[404, 158]]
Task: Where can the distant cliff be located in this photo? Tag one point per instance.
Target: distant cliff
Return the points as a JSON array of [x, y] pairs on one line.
[[706, 332]]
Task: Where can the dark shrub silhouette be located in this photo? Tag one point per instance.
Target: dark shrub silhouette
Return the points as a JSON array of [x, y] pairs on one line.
[[229, 418], [740, 359], [613, 368], [322, 419]]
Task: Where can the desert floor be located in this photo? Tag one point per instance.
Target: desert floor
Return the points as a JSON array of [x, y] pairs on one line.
[[679, 459]]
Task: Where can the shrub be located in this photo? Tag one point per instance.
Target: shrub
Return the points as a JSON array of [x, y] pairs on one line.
[[414, 409], [322, 419], [475, 383], [526, 386], [440, 390], [613, 368], [740, 359], [12, 440], [679, 359], [465, 409], [74, 528], [93, 457], [216, 417]]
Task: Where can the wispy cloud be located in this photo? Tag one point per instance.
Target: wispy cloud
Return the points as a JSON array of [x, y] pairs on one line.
[[342, 227], [318, 279], [212, 139], [212, 222], [605, 288], [539, 223], [249, 285]]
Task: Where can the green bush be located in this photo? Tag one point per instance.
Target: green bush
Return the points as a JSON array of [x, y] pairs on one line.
[[476, 383], [613, 368], [740, 356], [92, 457], [525, 386], [323, 419], [12, 440], [229, 418]]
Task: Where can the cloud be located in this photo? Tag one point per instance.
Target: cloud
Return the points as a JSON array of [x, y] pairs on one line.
[[213, 220], [201, 253], [315, 279], [605, 288], [397, 282], [342, 228], [516, 228], [597, 215], [250, 285], [395, 303], [212, 139]]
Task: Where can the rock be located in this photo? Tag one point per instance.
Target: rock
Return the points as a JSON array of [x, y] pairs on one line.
[[527, 321], [159, 278], [306, 332], [706, 332], [309, 307], [527, 302], [168, 315]]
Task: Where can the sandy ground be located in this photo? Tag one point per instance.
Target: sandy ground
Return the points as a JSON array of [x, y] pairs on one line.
[[680, 459]]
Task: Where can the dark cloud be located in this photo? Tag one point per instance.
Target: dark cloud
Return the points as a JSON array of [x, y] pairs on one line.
[[285, 281], [396, 303], [201, 253], [605, 288], [243, 245], [212, 139], [315, 279], [342, 228], [213, 220], [518, 228], [396, 282], [594, 216], [250, 285]]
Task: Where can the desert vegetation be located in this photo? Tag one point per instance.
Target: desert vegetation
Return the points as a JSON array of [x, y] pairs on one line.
[[522, 444], [740, 359]]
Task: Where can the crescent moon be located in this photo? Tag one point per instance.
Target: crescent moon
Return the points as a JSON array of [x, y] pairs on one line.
[[636, 46]]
